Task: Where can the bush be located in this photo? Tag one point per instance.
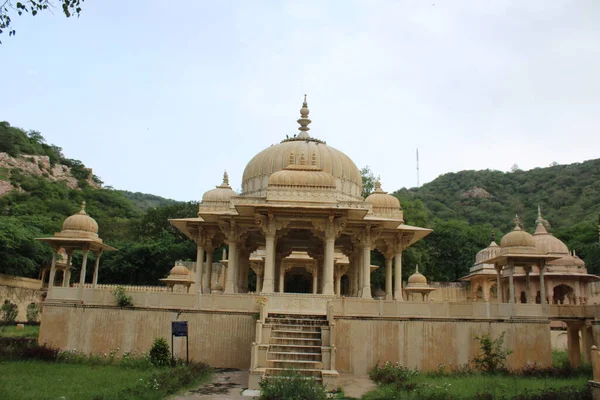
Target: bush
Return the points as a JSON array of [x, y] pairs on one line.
[[160, 354], [33, 312], [26, 349], [492, 354], [122, 299], [291, 386], [9, 312], [391, 373]]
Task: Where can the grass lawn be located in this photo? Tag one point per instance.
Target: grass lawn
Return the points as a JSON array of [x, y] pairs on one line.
[[30, 331], [44, 380], [465, 387]]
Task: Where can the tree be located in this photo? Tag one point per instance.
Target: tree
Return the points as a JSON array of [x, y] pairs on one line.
[[368, 181], [33, 7]]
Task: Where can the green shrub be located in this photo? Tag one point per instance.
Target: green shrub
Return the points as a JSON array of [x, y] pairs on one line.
[[122, 299], [290, 385], [9, 312], [33, 312], [391, 373], [492, 354], [160, 354]]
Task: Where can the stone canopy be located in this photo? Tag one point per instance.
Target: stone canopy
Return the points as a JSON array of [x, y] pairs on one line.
[[301, 195]]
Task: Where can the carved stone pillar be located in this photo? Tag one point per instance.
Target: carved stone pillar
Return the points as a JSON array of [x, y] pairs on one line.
[[199, 261], [281, 287], [208, 273], [52, 273], [527, 284], [511, 282], [499, 291], [542, 268], [329, 265], [67, 273], [96, 266], [366, 287], [82, 274], [388, 276], [268, 284]]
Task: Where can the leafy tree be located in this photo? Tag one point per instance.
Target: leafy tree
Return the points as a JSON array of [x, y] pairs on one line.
[[33, 7], [368, 181]]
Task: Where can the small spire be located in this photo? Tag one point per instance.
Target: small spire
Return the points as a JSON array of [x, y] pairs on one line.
[[304, 121], [292, 159], [302, 159], [493, 236], [540, 223], [417, 269], [378, 188], [517, 222], [225, 178], [313, 159], [225, 183], [82, 211]]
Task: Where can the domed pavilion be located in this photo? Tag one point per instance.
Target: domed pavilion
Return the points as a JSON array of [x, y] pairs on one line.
[[79, 233], [301, 224]]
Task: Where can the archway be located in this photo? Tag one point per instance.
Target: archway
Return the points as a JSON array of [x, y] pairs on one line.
[[563, 293], [523, 298], [494, 292], [298, 280]]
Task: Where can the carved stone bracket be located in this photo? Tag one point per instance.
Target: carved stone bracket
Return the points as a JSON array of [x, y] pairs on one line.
[[330, 228], [341, 270], [269, 224]]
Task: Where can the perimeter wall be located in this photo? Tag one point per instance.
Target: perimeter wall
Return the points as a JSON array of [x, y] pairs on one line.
[[223, 339]]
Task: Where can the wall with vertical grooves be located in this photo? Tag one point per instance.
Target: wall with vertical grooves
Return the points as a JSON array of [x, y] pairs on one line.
[[218, 339], [425, 344]]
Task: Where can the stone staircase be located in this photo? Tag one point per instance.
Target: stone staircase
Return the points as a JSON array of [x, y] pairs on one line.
[[302, 343], [295, 344]]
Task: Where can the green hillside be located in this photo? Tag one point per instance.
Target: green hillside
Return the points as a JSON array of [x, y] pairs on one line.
[[465, 207]]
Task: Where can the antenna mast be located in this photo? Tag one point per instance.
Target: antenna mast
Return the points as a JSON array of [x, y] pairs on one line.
[[418, 185]]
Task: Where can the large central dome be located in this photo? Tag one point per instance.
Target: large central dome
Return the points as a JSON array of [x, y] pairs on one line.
[[347, 176]]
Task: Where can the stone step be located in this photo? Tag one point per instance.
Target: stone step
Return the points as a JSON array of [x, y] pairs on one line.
[[294, 355], [293, 327], [295, 364], [295, 334], [292, 341], [294, 348], [306, 372]]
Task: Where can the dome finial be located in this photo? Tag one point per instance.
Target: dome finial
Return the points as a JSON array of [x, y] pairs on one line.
[[304, 121], [493, 236], [540, 223], [82, 211], [517, 222], [225, 183], [417, 269]]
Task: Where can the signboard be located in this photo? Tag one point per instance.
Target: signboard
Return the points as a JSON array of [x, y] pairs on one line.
[[179, 328]]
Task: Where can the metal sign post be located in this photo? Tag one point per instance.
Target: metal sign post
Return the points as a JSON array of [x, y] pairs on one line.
[[180, 329]]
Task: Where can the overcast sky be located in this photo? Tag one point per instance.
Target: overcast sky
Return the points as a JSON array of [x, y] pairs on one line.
[[161, 97]]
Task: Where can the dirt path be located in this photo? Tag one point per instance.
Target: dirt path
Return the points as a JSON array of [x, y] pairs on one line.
[[227, 384]]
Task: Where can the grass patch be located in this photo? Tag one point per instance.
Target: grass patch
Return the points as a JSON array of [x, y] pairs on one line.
[[560, 358], [43, 380], [29, 331], [470, 386]]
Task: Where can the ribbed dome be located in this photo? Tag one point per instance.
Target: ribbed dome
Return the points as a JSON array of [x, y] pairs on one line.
[[381, 199], [222, 193], [547, 243], [80, 223], [291, 177], [517, 238], [348, 179], [417, 279], [179, 271], [488, 253]]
